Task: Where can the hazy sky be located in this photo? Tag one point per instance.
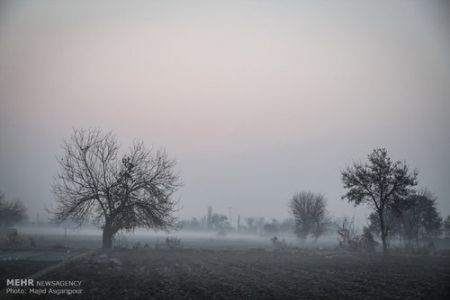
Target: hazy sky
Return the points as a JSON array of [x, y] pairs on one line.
[[255, 99]]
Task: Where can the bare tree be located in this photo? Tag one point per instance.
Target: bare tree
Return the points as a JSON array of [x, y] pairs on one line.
[[11, 212], [220, 222], [349, 238], [347, 234], [117, 192], [381, 183], [310, 214]]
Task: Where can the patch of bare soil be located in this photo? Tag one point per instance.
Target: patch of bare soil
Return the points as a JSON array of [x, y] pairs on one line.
[[251, 274]]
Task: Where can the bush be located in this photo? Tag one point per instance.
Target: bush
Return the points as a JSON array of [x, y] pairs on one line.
[[278, 244], [173, 243]]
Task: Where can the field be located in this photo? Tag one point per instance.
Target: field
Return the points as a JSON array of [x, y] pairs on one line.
[[220, 271]]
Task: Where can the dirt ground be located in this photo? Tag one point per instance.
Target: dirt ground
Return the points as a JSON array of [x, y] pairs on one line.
[[256, 274], [15, 269]]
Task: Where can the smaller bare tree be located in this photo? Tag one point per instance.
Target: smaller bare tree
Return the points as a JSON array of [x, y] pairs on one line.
[[11, 212], [347, 235], [310, 215], [349, 238]]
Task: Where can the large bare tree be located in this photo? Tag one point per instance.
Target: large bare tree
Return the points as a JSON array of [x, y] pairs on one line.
[[95, 183], [381, 183]]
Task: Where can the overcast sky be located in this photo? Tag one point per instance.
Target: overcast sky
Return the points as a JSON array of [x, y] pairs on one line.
[[255, 99]]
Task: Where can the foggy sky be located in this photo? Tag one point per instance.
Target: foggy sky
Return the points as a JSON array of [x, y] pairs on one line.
[[255, 99]]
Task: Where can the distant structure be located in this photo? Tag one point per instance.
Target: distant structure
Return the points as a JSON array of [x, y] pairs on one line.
[[238, 223], [209, 218]]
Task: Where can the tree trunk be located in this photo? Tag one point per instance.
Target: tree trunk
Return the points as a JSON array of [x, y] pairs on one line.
[[107, 236], [383, 232]]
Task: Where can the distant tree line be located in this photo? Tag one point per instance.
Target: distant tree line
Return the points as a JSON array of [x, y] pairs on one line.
[[220, 224]]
